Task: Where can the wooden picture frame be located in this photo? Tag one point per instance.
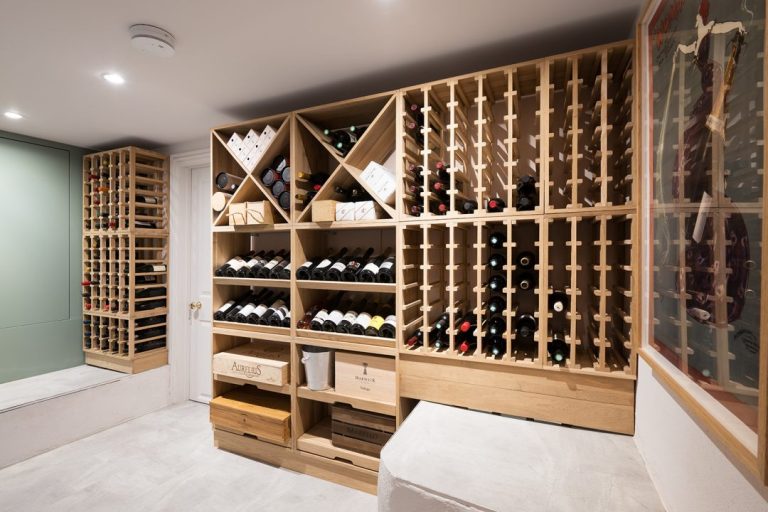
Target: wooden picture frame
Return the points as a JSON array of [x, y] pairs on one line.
[[707, 39]]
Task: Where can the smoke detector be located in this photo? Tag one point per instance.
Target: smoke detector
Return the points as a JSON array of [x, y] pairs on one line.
[[152, 40]]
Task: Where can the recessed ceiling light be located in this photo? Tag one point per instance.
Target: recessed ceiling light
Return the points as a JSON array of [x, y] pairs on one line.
[[113, 78], [13, 115]]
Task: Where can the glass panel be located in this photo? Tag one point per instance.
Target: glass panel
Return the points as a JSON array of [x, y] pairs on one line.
[[706, 65]]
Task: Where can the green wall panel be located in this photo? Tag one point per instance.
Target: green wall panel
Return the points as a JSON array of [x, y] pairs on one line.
[[40, 256]]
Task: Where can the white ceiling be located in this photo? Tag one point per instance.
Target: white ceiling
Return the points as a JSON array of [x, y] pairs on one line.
[[237, 59]]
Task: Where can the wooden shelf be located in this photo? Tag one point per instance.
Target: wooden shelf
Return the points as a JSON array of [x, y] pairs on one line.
[[285, 390], [347, 285], [247, 329], [244, 281], [330, 396], [370, 343]]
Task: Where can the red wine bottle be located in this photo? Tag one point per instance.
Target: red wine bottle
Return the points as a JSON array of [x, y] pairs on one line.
[[353, 268], [320, 270], [496, 204], [228, 182]]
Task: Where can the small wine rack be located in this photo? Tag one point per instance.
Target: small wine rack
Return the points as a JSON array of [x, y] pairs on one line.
[[569, 121], [125, 232]]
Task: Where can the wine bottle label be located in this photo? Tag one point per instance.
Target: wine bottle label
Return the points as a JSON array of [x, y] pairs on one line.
[[280, 313], [238, 264], [363, 320], [321, 316], [372, 267], [387, 265], [324, 263], [376, 322], [335, 316], [260, 309], [158, 268], [306, 264], [353, 265], [338, 266], [253, 262], [391, 320], [247, 310], [226, 306], [272, 264], [350, 317]]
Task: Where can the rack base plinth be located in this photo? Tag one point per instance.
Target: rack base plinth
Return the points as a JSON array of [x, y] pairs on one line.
[[140, 363], [569, 398], [331, 470]]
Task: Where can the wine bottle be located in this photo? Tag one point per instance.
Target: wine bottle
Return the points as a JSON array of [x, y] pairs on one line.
[[497, 326], [386, 272], [496, 239], [143, 322], [370, 272], [345, 325], [496, 345], [228, 182], [526, 281], [321, 269], [252, 304], [334, 271], [497, 261], [497, 283], [496, 204], [416, 339], [322, 315], [363, 321], [558, 348], [306, 320], [223, 312], [262, 305], [467, 206], [282, 271], [375, 325], [145, 347], [268, 177], [313, 179], [304, 272], [525, 260], [279, 316], [525, 327], [265, 271], [278, 303], [253, 262], [388, 328], [496, 304], [144, 268], [284, 200], [279, 188], [353, 266], [558, 301], [152, 304], [526, 193], [331, 323], [286, 319], [151, 292], [149, 333]]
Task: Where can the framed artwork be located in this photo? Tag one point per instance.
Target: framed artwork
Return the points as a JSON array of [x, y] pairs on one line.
[[703, 85]]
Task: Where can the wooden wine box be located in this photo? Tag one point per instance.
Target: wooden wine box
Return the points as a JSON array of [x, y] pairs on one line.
[[264, 415], [360, 431], [265, 362], [365, 376], [259, 212]]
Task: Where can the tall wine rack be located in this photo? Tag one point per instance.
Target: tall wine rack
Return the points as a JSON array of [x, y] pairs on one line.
[[567, 121], [125, 259]]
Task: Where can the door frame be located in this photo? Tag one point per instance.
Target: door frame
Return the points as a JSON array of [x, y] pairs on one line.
[[179, 336]]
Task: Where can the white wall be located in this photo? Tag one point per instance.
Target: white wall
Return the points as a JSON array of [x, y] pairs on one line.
[[690, 472]]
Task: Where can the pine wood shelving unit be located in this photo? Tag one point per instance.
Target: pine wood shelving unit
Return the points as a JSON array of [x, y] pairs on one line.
[[125, 224], [569, 121]]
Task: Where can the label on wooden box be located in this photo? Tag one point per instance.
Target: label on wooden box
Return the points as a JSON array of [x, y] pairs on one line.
[[324, 210], [258, 362], [365, 376], [361, 431]]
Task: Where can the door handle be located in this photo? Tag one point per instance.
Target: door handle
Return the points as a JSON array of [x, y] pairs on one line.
[[195, 305]]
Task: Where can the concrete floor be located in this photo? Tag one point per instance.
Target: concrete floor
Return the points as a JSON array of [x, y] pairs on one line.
[[164, 461]]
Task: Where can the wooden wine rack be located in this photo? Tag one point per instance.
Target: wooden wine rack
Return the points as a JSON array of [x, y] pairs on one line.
[[113, 246], [569, 121]]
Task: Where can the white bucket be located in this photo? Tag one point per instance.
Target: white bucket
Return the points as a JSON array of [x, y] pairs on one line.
[[318, 366]]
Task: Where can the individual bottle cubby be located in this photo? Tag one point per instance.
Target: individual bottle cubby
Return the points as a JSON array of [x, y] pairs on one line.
[[252, 174], [125, 189], [336, 146], [245, 259]]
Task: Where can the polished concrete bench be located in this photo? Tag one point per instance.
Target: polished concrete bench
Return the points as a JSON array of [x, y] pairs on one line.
[[445, 459]]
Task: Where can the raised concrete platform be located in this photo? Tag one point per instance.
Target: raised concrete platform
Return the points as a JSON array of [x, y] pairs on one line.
[[445, 459]]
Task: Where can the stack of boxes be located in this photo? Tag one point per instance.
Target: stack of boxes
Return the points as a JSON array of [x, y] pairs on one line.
[[251, 148]]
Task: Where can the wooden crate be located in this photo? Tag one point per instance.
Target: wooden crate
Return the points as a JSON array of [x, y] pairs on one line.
[[324, 211], [264, 415], [365, 376], [262, 362], [361, 431]]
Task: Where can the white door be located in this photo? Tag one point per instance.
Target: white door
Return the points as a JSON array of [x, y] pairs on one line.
[[200, 285]]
